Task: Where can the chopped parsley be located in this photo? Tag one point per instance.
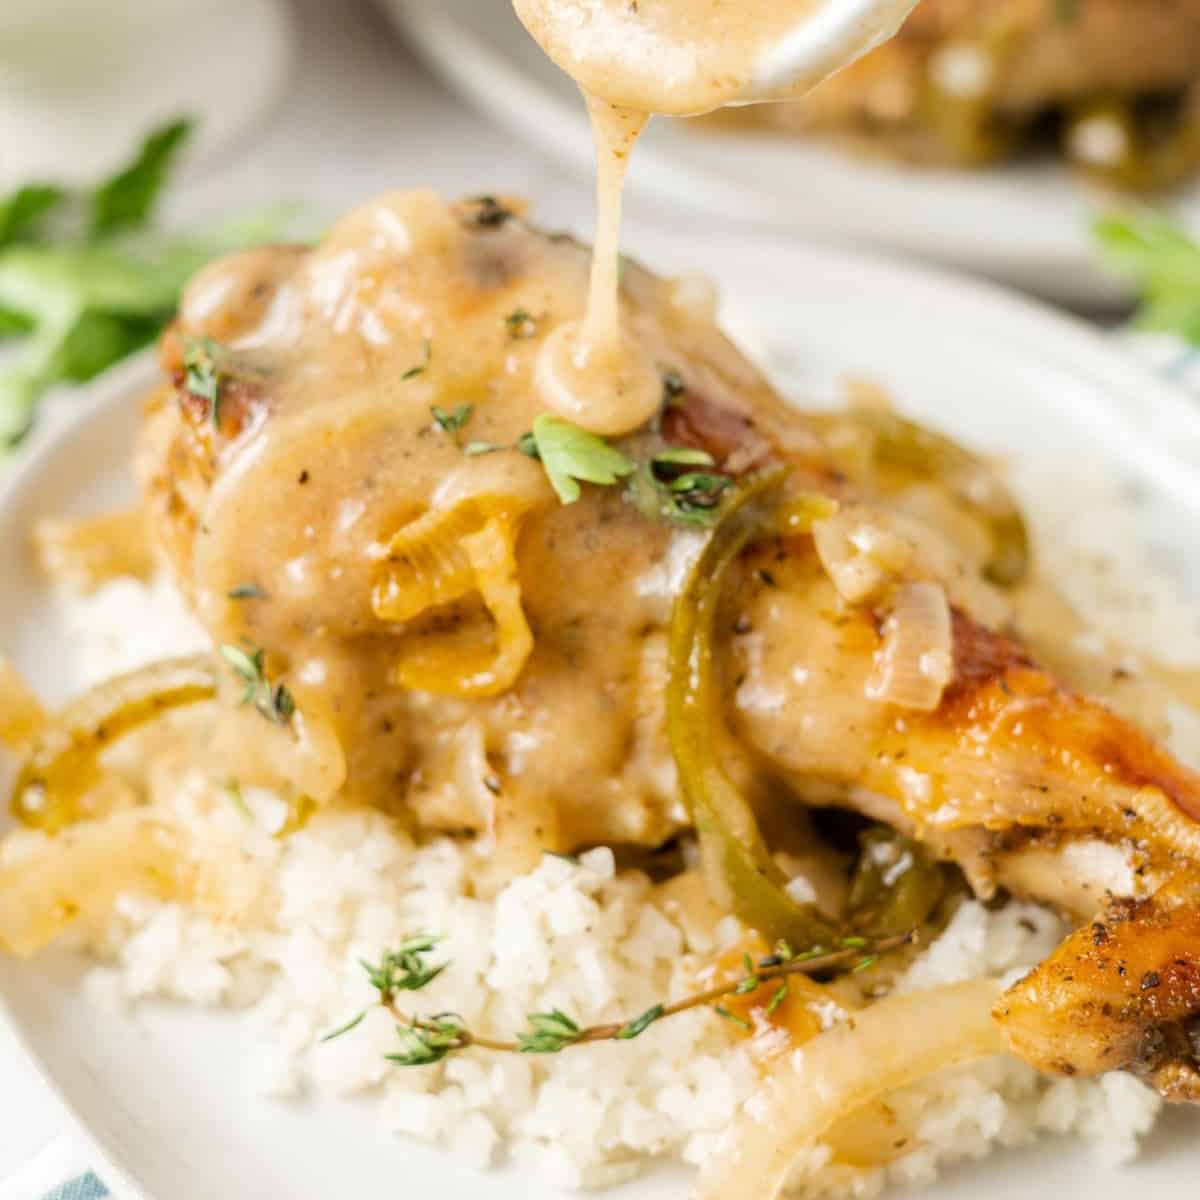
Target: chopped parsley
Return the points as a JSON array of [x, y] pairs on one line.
[[571, 455], [475, 449]]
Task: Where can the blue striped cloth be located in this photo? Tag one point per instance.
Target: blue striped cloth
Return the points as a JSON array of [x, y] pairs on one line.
[[86, 1187]]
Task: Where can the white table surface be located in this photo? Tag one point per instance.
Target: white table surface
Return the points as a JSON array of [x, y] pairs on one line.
[[361, 116]]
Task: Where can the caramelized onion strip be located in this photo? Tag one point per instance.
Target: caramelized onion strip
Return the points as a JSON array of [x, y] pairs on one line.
[[915, 664], [61, 762], [21, 713], [79, 874], [890, 1045], [447, 556]]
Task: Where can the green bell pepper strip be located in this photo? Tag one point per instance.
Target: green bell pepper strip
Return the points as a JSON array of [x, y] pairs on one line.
[[737, 863], [905, 446], [896, 884]]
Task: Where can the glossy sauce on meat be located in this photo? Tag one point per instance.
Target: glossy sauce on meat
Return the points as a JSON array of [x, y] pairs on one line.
[[327, 444]]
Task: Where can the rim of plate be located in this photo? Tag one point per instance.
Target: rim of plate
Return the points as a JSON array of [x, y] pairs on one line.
[[1031, 329], [943, 216]]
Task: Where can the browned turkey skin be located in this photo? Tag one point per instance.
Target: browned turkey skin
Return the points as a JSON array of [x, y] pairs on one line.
[[323, 444]]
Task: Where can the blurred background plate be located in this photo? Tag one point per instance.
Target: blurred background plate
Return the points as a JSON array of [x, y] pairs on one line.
[[80, 79], [1026, 223]]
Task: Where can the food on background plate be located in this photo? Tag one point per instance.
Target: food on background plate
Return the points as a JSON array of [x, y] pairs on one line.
[[1112, 84], [631, 763]]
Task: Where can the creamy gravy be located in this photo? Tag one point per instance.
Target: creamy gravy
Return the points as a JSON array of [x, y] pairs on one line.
[[632, 58], [593, 371], [328, 446], [680, 57]]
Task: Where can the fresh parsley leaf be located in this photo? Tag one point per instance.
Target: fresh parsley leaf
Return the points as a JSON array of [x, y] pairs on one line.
[[21, 211], [126, 200], [571, 455], [1163, 261], [81, 291], [96, 340], [13, 323]]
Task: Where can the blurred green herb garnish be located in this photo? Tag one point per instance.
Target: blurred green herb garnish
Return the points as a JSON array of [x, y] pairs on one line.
[[86, 278], [1163, 262]]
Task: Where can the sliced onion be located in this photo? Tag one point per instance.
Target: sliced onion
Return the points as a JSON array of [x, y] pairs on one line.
[[21, 714], [890, 1045], [78, 875], [916, 661], [83, 554], [860, 552]]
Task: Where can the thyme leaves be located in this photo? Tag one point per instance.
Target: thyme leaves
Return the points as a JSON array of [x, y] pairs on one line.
[[273, 701], [425, 1040]]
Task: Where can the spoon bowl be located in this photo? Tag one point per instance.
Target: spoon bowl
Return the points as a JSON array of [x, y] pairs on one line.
[[829, 38], [686, 57]]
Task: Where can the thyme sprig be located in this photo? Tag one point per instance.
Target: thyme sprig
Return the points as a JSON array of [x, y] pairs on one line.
[[273, 701], [425, 1040]]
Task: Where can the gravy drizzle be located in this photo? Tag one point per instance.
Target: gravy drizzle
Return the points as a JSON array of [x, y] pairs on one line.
[[632, 58]]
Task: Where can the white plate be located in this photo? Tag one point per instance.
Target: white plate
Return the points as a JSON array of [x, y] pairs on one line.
[[80, 80], [166, 1096], [1027, 224]]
